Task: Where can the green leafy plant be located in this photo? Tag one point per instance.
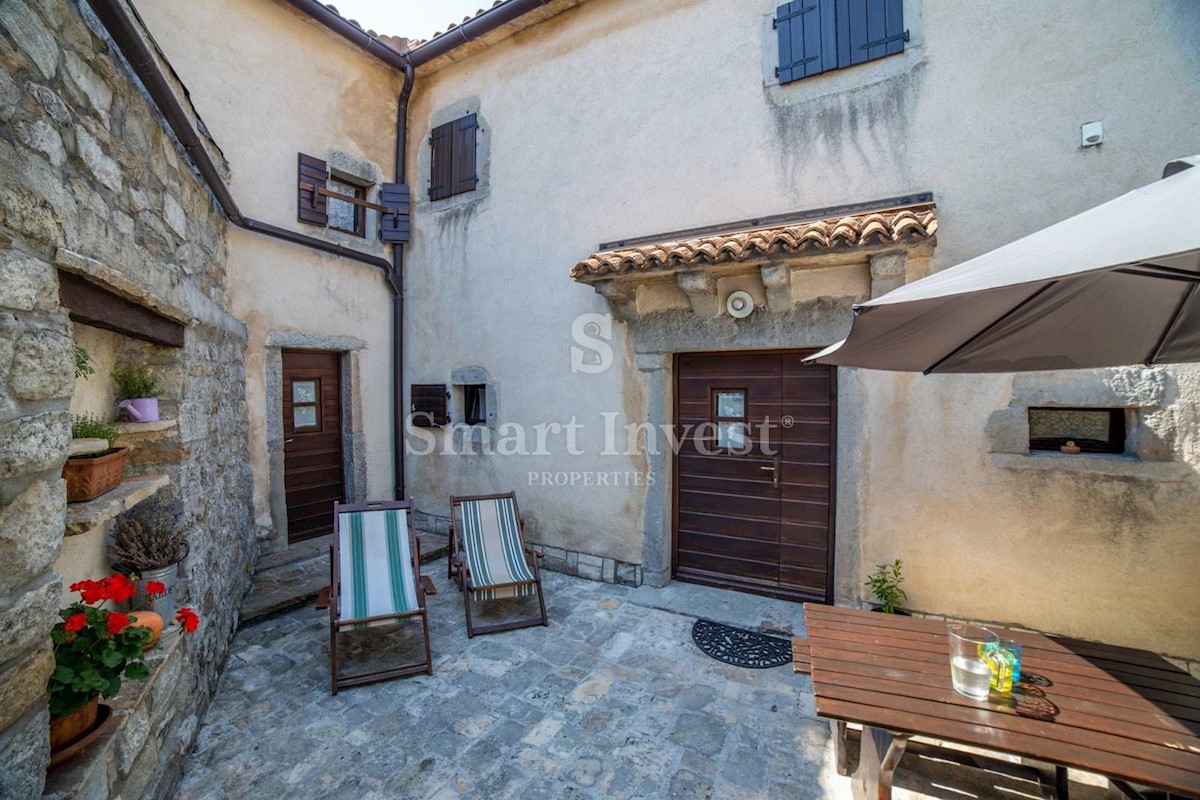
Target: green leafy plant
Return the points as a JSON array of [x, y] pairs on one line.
[[150, 537], [137, 382], [90, 426], [95, 648], [83, 363], [885, 583]]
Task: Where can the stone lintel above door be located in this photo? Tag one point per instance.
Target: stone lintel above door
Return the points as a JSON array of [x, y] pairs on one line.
[[851, 257]]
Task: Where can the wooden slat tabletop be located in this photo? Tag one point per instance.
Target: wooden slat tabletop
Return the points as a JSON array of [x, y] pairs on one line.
[[1116, 711]]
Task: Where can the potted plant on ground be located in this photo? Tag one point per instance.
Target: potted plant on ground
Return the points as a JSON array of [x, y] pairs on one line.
[[95, 648], [148, 544], [885, 584], [95, 464], [138, 388]]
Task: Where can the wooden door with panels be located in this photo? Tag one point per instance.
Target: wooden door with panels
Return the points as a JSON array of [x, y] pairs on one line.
[[754, 476], [312, 441]]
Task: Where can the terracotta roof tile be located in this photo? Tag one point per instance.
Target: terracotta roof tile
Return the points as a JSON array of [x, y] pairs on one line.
[[862, 230]]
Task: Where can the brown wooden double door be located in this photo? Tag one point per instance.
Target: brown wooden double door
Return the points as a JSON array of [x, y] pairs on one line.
[[312, 441], [754, 476]]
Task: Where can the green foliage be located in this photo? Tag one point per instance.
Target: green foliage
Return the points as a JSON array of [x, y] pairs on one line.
[[83, 363], [90, 426], [885, 583], [137, 382], [92, 661]]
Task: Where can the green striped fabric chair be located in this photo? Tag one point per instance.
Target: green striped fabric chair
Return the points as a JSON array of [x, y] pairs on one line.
[[489, 558], [375, 566]]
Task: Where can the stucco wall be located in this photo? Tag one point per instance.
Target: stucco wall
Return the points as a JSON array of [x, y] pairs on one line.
[[284, 85], [619, 118]]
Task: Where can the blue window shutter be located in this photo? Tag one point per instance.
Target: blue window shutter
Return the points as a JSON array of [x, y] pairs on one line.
[[869, 29], [806, 38], [395, 223]]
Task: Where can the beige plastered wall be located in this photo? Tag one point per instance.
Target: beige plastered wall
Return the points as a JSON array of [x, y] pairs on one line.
[[621, 118], [269, 83]]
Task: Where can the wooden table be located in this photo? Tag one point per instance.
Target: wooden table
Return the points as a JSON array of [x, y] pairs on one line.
[[1125, 714]]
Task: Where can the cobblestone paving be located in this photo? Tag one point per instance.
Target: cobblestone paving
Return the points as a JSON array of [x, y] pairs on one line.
[[611, 700]]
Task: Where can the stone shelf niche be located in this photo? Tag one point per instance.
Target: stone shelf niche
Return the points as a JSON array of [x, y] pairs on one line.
[[126, 429], [83, 517]]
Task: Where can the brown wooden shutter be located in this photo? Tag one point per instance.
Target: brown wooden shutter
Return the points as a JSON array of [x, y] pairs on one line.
[[394, 224], [429, 405], [463, 159], [314, 174], [441, 162]]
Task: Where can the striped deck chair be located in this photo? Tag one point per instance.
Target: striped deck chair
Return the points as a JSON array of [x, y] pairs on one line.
[[375, 568], [489, 558]]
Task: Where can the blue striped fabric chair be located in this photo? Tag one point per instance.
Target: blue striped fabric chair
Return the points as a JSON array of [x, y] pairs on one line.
[[489, 558], [375, 566]]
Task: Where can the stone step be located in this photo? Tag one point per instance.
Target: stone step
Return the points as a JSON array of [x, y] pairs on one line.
[[294, 577]]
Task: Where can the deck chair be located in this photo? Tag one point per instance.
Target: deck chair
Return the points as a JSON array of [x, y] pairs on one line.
[[489, 559], [375, 568]]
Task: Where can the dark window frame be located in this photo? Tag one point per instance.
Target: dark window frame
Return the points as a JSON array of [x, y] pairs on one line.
[[474, 403], [1115, 444]]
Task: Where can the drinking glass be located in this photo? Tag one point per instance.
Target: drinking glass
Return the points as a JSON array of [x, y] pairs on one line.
[[1017, 651], [970, 670]]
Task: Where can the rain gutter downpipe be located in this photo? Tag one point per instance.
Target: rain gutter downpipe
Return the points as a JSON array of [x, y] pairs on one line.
[[395, 279]]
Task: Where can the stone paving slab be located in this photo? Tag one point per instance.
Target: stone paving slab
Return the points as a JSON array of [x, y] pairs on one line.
[[611, 700]]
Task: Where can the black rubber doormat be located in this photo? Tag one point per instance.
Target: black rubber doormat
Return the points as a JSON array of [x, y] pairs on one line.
[[741, 648]]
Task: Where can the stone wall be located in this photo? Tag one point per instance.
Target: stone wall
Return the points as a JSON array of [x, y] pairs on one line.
[[90, 181]]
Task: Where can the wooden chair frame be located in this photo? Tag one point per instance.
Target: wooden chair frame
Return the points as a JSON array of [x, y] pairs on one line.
[[458, 570], [362, 678]]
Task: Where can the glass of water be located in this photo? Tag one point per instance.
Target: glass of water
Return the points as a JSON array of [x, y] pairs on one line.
[[970, 653]]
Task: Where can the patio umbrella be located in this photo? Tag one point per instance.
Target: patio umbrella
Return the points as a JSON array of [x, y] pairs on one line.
[[1112, 286]]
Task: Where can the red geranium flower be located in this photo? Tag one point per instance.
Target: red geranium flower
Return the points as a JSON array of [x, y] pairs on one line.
[[92, 591], [118, 588], [117, 622], [76, 622], [188, 619], [154, 588]]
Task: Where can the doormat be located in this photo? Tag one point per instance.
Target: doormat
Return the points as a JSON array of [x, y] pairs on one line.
[[739, 647]]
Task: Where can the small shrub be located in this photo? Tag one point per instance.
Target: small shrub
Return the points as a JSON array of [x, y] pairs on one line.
[[83, 363], [90, 426], [885, 583], [150, 537], [136, 382]]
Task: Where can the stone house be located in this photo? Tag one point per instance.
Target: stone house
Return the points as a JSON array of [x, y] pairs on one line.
[[629, 222]]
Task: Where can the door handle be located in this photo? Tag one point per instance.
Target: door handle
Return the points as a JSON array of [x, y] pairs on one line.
[[774, 470], [288, 441]]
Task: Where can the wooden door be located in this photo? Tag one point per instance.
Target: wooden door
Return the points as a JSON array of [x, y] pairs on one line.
[[756, 513], [312, 441]]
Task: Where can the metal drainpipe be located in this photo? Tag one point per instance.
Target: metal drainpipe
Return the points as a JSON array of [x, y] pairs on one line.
[[396, 283]]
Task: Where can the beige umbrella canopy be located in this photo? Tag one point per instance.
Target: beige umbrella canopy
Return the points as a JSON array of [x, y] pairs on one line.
[[1113, 286]]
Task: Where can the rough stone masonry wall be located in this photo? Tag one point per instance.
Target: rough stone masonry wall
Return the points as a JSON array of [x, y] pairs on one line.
[[89, 177]]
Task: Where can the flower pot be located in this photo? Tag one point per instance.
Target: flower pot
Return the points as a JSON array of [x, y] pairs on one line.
[[167, 603], [151, 620], [141, 409], [97, 716], [88, 477], [65, 730]]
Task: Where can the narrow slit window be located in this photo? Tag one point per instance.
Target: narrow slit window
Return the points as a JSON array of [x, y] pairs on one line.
[[1092, 430], [729, 415]]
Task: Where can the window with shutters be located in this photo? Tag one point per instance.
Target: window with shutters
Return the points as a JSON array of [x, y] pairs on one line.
[[452, 168], [429, 405], [335, 200], [816, 36]]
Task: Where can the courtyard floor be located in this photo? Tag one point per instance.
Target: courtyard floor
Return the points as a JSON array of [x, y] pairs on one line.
[[611, 700]]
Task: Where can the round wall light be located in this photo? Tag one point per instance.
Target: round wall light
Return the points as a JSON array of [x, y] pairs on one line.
[[739, 304]]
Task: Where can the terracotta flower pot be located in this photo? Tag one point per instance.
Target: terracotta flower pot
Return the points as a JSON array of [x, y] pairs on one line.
[[65, 730], [151, 620], [88, 477]]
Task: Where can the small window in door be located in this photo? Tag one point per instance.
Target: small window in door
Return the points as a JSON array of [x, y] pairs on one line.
[[729, 415], [306, 400]]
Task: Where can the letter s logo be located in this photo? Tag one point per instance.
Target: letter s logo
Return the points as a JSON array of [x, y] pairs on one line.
[[592, 332]]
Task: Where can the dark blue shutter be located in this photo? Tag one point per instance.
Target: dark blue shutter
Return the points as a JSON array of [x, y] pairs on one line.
[[440, 174], [313, 206], [394, 224], [806, 38], [869, 29], [464, 178]]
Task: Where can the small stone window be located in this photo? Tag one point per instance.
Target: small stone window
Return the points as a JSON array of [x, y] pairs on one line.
[[344, 215], [475, 404], [1092, 430]]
